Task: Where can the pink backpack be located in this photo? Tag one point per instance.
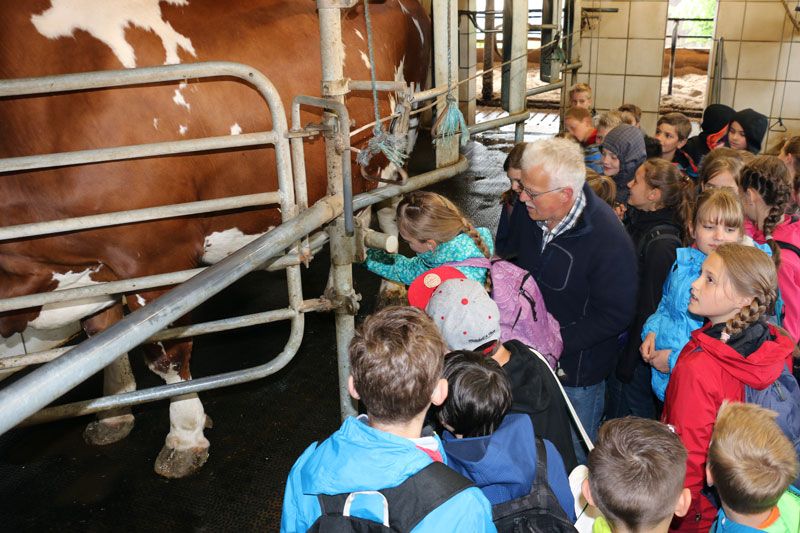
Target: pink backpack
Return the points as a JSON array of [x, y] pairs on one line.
[[523, 315]]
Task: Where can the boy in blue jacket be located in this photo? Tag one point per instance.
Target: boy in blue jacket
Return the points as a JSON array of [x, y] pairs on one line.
[[396, 361]]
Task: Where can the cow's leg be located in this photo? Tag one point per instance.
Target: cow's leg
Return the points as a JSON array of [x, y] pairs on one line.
[[114, 424], [185, 448]]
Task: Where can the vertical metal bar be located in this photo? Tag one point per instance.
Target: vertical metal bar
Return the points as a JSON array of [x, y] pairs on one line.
[[488, 53], [672, 54], [331, 51], [517, 16], [445, 66], [467, 62]]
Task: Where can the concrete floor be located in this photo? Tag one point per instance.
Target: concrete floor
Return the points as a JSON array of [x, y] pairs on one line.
[[50, 480]]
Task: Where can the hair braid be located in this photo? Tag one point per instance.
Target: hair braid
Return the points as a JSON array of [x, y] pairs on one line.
[[768, 176], [470, 230], [746, 316]]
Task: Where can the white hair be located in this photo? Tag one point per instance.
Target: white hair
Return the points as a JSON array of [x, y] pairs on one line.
[[561, 159]]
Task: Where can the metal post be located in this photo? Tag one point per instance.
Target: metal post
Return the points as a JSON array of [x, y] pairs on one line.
[[488, 53], [467, 62], [672, 54], [334, 87], [515, 46], [445, 44]]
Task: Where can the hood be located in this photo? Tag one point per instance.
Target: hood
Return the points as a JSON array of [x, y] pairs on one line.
[[503, 464], [755, 127], [627, 143], [760, 368], [716, 117], [359, 457]]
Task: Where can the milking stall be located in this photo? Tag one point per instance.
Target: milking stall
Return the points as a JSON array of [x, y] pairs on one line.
[[121, 130]]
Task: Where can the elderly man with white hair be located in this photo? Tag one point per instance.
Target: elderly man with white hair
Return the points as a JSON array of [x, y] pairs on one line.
[[584, 262]]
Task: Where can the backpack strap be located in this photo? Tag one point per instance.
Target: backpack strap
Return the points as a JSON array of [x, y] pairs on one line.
[[479, 262], [413, 499], [662, 232], [783, 245]]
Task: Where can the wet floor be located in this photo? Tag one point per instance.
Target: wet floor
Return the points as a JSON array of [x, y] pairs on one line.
[[50, 480]]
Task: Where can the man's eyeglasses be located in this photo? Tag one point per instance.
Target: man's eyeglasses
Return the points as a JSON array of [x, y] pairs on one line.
[[531, 194]]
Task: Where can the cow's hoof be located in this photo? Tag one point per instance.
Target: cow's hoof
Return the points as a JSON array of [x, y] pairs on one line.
[[108, 430], [173, 464]]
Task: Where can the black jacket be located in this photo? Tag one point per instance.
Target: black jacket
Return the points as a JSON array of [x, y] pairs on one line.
[[656, 236]]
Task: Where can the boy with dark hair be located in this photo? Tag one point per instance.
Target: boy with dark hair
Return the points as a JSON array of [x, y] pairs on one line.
[[631, 112], [535, 390], [752, 464], [498, 451], [396, 361], [636, 474], [578, 122], [672, 131]]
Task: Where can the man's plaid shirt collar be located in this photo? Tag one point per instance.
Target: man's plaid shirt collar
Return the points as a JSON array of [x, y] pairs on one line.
[[565, 223]]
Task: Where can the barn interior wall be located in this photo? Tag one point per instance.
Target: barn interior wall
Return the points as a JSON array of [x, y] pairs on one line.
[[760, 59], [622, 55]]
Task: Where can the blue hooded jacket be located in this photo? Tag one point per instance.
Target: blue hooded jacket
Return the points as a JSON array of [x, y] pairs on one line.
[[503, 464], [358, 457], [672, 322]]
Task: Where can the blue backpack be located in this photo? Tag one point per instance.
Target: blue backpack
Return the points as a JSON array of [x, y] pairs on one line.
[[783, 397]]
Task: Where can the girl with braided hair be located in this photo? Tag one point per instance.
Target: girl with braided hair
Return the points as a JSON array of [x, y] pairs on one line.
[[766, 196], [437, 231], [736, 347]]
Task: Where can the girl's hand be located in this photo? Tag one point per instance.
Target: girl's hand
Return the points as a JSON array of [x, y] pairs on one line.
[[648, 346], [660, 360]]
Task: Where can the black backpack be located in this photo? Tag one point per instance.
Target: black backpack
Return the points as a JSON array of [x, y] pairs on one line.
[[406, 504], [662, 232], [536, 512]]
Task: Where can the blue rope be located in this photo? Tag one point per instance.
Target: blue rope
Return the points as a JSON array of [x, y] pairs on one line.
[[392, 146]]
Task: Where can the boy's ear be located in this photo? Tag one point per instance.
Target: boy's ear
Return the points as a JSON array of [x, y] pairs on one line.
[[439, 392], [683, 503], [587, 492], [351, 388], [709, 477], [682, 143]]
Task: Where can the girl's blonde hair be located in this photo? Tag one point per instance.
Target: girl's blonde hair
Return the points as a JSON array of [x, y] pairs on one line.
[[677, 191], [603, 186], [424, 215], [720, 206], [720, 160], [769, 177], [752, 274]]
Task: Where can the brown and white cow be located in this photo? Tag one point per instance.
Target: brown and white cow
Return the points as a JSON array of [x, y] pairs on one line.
[[278, 37]]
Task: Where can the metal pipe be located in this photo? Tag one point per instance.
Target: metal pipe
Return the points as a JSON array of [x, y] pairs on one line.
[[672, 46], [429, 94], [204, 328], [32, 392], [544, 88], [120, 153], [136, 215], [294, 257], [498, 122], [366, 85]]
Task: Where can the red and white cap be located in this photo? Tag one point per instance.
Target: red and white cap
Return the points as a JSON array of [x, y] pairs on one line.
[[465, 314]]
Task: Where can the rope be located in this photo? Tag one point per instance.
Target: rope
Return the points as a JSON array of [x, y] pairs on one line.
[[451, 120], [392, 146]]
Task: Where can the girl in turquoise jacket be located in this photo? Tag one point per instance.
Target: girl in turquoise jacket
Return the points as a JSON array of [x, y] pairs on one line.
[[439, 233], [718, 219]]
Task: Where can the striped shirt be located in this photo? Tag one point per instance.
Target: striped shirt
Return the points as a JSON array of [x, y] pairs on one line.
[[566, 223]]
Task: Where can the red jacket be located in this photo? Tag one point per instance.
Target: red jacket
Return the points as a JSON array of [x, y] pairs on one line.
[[708, 372]]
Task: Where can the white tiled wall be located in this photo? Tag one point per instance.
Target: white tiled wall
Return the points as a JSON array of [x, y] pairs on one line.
[[761, 50], [623, 53]]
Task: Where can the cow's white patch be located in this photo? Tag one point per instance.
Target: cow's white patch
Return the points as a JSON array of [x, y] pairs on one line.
[[419, 29], [180, 100], [236, 129], [364, 57], [182, 85], [186, 417], [141, 301], [107, 21], [182, 129], [405, 10], [221, 244], [57, 315], [360, 36], [155, 123]]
